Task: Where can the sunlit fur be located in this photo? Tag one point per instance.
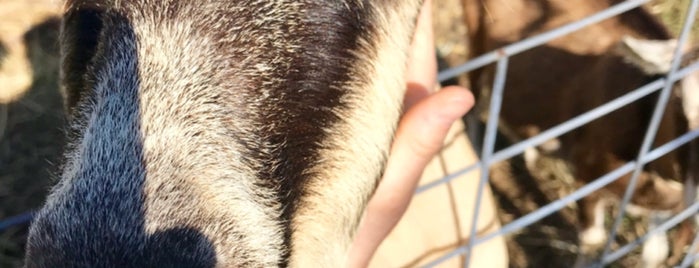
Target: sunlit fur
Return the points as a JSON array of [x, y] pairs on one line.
[[222, 133]]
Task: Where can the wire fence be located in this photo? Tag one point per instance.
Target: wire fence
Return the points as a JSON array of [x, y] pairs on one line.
[[489, 156]]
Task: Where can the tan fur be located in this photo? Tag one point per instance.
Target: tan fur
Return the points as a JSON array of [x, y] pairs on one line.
[[222, 133], [317, 221]]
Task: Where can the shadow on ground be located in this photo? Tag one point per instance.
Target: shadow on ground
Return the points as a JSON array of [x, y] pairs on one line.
[[32, 140]]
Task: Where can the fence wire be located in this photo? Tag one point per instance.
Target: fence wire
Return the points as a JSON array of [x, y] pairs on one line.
[[488, 156], [500, 57], [654, 124]]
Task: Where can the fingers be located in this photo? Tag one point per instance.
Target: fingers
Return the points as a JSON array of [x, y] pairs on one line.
[[419, 137]]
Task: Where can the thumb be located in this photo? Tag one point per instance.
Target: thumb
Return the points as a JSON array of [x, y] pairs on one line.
[[420, 135], [423, 128]]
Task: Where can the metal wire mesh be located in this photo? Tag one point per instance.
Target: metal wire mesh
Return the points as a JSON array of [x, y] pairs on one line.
[[488, 157]]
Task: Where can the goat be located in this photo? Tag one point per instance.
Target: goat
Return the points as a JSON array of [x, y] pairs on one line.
[[221, 133], [578, 72]]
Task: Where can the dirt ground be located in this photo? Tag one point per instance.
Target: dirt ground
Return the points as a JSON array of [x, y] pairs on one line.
[[31, 115], [31, 122]]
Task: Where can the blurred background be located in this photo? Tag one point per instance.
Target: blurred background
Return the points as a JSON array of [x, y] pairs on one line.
[[31, 139]]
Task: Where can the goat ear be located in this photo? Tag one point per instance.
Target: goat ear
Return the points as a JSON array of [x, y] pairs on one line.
[[651, 56]]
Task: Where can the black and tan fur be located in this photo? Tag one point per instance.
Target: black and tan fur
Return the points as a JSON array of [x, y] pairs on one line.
[[222, 133]]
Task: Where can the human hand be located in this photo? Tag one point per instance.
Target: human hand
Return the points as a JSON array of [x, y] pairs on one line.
[[419, 137]]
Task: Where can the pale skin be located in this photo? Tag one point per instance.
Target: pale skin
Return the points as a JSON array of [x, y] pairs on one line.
[[419, 137]]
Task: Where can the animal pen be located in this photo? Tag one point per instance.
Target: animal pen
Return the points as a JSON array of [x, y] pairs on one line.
[[489, 156]]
